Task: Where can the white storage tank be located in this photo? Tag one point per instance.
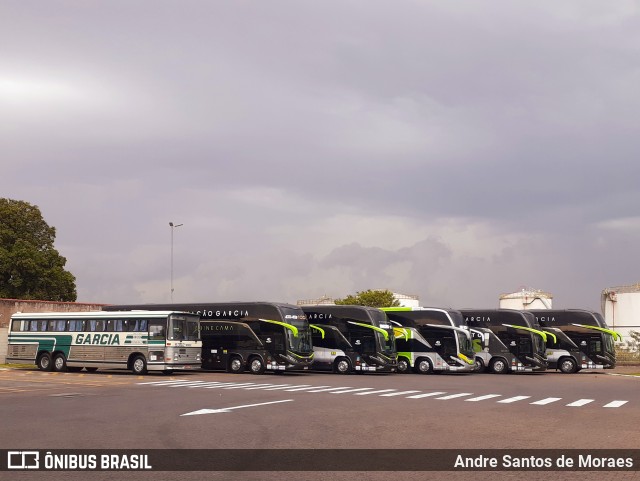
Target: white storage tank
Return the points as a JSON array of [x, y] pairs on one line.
[[526, 299], [621, 309]]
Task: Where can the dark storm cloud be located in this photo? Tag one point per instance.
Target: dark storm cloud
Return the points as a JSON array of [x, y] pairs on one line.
[[318, 148]]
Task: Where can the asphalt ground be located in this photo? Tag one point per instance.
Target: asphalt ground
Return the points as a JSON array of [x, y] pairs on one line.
[[116, 410]]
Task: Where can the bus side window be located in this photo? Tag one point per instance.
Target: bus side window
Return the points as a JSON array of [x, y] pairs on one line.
[[157, 330], [76, 326]]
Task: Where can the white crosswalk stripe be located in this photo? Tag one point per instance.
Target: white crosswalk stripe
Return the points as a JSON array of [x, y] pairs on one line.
[[373, 392], [304, 388], [397, 393], [428, 394], [329, 389], [513, 399], [367, 391], [483, 398], [544, 402], [352, 390], [453, 396]]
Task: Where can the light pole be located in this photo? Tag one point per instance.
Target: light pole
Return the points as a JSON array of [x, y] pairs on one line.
[[173, 226]]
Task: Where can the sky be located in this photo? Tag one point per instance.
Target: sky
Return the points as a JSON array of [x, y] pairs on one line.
[[453, 150]]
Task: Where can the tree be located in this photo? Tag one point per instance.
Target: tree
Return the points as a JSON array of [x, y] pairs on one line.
[[371, 298], [30, 267]]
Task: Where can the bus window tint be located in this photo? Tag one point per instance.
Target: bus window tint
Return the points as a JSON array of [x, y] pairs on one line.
[[157, 330], [76, 326]]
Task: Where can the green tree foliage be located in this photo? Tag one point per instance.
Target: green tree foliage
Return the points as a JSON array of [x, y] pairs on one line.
[[370, 298], [30, 267]]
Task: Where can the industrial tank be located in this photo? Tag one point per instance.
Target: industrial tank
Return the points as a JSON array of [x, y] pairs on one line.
[[621, 309], [526, 299]]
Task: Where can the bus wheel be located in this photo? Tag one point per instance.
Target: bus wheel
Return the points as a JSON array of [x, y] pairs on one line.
[[139, 365], [498, 366], [44, 362], [479, 367], [235, 365], [256, 365], [403, 365], [342, 366], [91, 369], [423, 366], [59, 363], [568, 365]]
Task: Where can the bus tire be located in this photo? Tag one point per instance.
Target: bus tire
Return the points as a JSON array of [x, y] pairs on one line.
[[403, 365], [567, 365], [44, 362], [498, 366], [423, 366], [59, 362], [235, 365], [479, 367], [139, 365], [342, 365], [91, 369], [256, 365]]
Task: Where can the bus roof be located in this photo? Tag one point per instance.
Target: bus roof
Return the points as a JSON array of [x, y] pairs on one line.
[[424, 316], [93, 314], [567, 317], [494, 317], [222, 310], [363, 313]]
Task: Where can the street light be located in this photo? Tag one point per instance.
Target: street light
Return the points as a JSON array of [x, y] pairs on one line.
[[173, 226]]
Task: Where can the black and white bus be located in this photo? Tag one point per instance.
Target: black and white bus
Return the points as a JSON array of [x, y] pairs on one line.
[[505, 341], [257, 336], [431, 340], [584, 340], [351, 338]]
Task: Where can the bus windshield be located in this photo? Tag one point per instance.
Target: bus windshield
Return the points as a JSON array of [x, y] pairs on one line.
[[301, 343], [464, 341], [183, 328]]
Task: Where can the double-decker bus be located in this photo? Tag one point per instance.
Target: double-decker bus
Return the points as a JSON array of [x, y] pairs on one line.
[[254, 336], [583, 335], [431, 340], [505, 341], [351, 338], [164, 341]]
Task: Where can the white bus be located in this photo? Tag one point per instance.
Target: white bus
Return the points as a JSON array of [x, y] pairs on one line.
[[140, 341]]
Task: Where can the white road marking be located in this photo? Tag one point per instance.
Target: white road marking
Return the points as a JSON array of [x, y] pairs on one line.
[[544, 402], [580, 402], [429, 394], [482, 398], [397, 393], [514, 399], [304, 388], [372, 392], [229, 409], [352, 390], [453, 396], [242, 385], [615, 404], [265, 386], [329, 389]]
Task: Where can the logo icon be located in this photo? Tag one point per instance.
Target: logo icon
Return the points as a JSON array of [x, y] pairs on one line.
[[23, 460]]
